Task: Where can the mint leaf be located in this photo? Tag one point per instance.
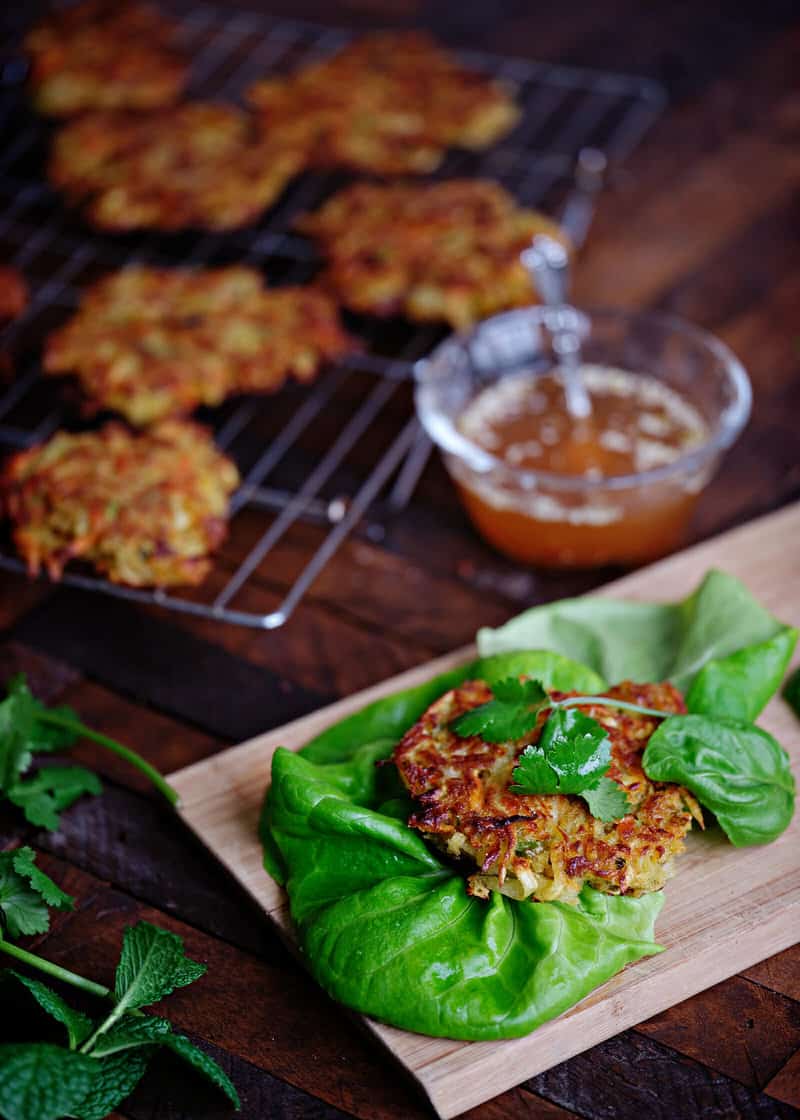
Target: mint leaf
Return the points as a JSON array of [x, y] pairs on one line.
[[25, 894], [571, 756], [134, 1032], [43, 796], [79, 1026], [115, 1079], [512, 713], [198, 1059], [607, 801], [39, 1081], [130, 1032], [152, 965]]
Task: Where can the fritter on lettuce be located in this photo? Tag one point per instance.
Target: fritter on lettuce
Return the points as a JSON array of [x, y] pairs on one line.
[[546, 846]]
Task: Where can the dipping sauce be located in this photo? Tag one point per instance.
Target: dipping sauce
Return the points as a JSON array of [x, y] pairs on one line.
[[637, 424]]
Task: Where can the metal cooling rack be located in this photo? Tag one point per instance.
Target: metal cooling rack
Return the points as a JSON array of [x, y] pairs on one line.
[[285, 484]]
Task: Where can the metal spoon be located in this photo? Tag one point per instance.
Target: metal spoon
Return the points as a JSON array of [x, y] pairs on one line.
[[548, 263]]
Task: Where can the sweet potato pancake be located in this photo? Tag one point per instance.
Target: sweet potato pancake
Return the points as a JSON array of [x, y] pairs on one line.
[[549, 845], [389, 103], [443, 251], [104, 55], [13, 293], [199, 165], [155, 342], [145, 509]]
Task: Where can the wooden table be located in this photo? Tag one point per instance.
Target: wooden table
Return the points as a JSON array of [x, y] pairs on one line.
[[703, 222]]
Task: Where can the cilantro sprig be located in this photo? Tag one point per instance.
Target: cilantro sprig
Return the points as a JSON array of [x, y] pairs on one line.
[[573, 752], [29, 729], [104, 1057]]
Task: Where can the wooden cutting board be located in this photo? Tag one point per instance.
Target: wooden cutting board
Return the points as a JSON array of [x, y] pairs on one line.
[[726, 909]]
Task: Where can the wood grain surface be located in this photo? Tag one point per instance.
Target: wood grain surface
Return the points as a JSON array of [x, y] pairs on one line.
[[728, 909], [703, 221]]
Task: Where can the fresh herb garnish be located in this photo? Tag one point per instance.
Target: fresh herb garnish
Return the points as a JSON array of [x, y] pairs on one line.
[[104, 1058], [512, 713], [572, 755], [573, 751], [607, 801], [29, 728]]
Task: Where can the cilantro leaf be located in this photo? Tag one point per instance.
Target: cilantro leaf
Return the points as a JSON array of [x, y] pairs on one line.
[[43, 796], [79, 1026], [39, 1081], [512, 713], [607, 801], [571, 756], [115, 1079], [152, 965], [25, 894], [16, 729]]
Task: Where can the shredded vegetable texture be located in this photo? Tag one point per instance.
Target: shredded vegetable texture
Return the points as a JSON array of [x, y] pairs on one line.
[[374, 905]]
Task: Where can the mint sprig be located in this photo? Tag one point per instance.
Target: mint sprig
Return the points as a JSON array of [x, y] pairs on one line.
[[28, 728], [104, 1058]]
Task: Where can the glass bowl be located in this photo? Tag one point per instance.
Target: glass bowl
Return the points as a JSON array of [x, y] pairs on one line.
[[558, 520]]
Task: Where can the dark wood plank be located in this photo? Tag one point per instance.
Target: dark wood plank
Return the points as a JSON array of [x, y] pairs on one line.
[[739, 1028], [785, 1086], [631, 1076], [780, 973], [179, 673]]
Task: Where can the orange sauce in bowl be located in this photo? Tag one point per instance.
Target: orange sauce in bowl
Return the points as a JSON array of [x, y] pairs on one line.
[[637, 424]]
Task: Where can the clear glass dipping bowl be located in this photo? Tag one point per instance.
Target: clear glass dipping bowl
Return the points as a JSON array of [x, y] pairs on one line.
[[538, 517]]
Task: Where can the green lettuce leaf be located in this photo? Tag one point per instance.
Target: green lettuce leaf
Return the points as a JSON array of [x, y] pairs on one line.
[[392, 716], [661, 641], [387, 928], [738, 771], [386, 721], [739, 686]]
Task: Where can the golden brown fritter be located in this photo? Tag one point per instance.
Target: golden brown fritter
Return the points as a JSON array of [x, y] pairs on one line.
[[104, 55], [157, 342], [549, 845], [444, 251], [13, 293], [390, 103], [146, 509], [199, 165]]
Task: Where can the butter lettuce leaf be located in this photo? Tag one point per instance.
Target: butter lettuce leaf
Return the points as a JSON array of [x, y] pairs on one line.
[[622, 640], [388, 928], [738, 771]]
